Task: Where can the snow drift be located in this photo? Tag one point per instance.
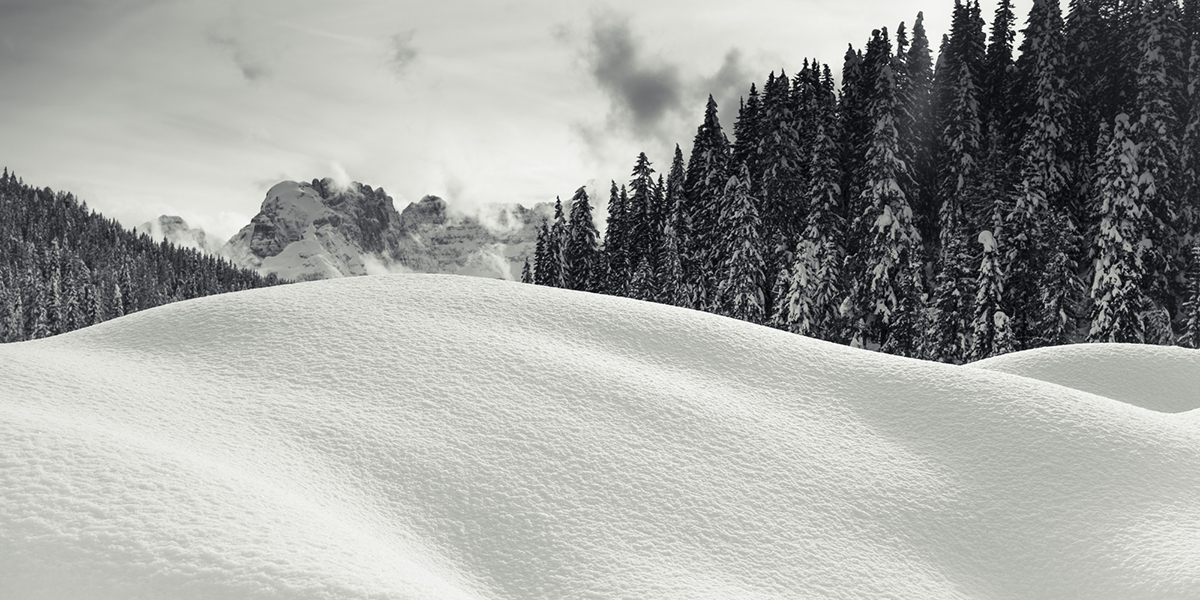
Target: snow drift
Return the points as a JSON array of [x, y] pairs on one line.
[[450, 437]]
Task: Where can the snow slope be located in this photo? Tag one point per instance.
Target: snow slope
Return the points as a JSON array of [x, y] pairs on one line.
[[420, 436], [1161, 378]]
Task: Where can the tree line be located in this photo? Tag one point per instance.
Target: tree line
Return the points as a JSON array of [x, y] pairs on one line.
[[63, 267], [997, 199]]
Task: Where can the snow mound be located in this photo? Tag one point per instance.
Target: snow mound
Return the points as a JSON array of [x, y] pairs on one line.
[[1161, 378], [419, 436]]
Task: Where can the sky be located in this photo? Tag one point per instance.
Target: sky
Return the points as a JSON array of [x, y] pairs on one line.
[[197, 107]]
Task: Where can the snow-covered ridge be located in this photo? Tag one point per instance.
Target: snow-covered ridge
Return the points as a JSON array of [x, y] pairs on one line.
[[419, 436], [1161, 378]]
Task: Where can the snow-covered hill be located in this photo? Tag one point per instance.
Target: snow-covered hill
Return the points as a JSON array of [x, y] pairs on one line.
[[419, 436], [319, 230]]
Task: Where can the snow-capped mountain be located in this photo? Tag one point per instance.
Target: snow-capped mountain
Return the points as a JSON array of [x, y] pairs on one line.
[[175, 230], [319, 230]]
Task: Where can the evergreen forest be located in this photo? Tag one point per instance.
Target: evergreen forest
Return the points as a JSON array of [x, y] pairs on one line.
[[949, 205], [63, 267]]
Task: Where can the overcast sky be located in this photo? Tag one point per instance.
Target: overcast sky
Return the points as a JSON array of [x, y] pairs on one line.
[[197, 107]]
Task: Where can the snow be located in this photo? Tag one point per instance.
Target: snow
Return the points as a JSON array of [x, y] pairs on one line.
[[425, 436], [1159, 378]]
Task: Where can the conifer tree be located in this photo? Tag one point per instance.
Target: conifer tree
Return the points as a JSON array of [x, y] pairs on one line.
[[740, 291], [669, 283], [640, 213], [996, 98], [1156, 133], [616, 243], [1043, 176], [641, 285], [811, 298], [556, 247], [541, 260], [1190, 156], [581, 252], [889, 260], [707, 173], [526, 273], [918, 129], [1191, 305], [117, 309], [1120, 255], [988, 337]]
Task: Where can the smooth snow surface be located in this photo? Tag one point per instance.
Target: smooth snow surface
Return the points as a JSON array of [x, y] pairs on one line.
[[419, 436], [1161, 378]]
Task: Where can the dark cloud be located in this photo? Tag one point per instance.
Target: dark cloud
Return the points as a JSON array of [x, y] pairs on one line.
[[642, 91], [728, 84], [403, 53], [253, 67]]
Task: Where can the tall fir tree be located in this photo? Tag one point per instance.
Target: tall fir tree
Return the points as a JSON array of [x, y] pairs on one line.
[[1040, 189], [541, 260], [811, 300], [1190, 155], [888, 281], [616, 243], [556, 248], [1156, 133], [707, 174], [742, 271], [1116, 292], [581, 253], [640, 213], [526, 273], [671, 270], [918, 130], [1191, 305]]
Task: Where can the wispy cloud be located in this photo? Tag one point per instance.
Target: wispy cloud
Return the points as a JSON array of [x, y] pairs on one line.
[[402, 53], [231, 38]]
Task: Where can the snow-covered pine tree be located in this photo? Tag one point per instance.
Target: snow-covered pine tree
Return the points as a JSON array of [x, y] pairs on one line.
[[1191, 304], [526, 273], [1190, 155], [707, 173], [918, 129], [669, 280], [996, 86], [951, 315], [95, 305], [117, 306], [740, 291], [639, 213], [887, 281], [813, 295], [555, 247], [747, 133], [1120, 268], [616, 243], [38, 323], [986, 336], [541, 262], [641, 285], [1156, 133], [581, 254], [1043, 175]]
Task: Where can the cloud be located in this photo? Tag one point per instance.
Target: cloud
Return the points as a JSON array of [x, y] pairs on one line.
[[642, 91], [651, 99], [402, 53], [728, 83], [230, 38]]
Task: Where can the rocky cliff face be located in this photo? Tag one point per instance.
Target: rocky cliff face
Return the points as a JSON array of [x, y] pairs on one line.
[[317, 231]]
